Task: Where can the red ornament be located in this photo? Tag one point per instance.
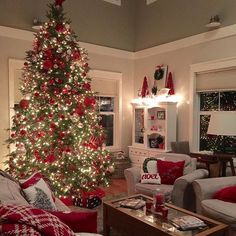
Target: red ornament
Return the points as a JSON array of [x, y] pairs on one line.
[[53, 126], [36, 94], [59, 2], [57, 91], [44, 87], [50, 158], [51, 82], [88, 101], [68, 101], [79, 110], [48, 54], [169, 84], [62, 135], [24, 104], [22, 132], [60, 27], [37, 155], [76, 55], [47, 65], [52, 101], [64, 90], [87, 86], [62, 65]]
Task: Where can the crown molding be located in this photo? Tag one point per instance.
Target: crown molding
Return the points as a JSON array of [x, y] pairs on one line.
[[212, 35], [91, 48]]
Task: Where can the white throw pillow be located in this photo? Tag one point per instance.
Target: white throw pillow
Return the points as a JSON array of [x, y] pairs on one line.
[[147, 178], [150, 164], [37, 192]]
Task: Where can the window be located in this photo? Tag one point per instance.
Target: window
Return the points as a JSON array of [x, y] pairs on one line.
[[108, 119], [212, 87], [107, 85], [209, 102]]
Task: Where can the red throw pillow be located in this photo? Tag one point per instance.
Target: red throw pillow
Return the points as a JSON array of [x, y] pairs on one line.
[[78, 221], [227, 194], [169, 171]]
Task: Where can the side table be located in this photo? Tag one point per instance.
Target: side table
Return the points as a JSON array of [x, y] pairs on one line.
[[120, 166], [217, 158]]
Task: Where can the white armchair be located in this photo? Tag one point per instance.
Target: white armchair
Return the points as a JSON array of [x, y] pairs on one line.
[[181, 192]]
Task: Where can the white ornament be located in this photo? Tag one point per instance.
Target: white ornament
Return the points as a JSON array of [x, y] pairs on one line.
[[111, 169], [67, 26], [80, 125], [67, 37], [55, 66], [59, 50], [68, 52], [54, 40]]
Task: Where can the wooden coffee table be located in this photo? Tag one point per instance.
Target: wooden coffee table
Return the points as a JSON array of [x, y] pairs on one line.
[[140, 222]]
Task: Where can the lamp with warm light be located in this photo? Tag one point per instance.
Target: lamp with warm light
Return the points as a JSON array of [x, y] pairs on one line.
[[222, 123]]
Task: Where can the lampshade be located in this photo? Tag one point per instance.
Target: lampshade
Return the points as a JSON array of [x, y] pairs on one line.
[[222, 123]]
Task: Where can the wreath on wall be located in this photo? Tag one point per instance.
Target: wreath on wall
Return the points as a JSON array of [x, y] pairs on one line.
[[159, 74]]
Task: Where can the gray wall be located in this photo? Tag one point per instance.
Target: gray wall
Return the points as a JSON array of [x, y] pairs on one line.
[[132, 26], [168, 20], [94, 21]]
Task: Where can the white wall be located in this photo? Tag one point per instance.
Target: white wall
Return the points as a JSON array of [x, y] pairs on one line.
[[117, 61], [179, 62], [133, 66]]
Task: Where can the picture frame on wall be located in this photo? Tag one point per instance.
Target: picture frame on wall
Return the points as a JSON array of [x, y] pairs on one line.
[[161, 115]]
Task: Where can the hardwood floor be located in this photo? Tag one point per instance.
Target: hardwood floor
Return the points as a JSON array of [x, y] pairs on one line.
[[117, 187]]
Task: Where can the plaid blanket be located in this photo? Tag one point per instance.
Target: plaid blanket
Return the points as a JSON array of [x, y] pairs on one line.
[[28, 221]]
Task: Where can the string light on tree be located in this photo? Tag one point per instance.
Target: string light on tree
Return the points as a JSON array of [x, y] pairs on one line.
[[56, 126]]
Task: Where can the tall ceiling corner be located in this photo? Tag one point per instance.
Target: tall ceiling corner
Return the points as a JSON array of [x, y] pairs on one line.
[[116, 2]]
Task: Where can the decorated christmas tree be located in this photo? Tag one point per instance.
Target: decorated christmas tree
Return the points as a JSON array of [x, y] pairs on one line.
[[56, 126]]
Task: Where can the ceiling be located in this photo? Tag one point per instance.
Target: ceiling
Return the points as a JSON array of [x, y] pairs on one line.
[[132, 26]]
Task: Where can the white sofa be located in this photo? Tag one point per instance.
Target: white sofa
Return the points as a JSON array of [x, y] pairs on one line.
[[214, 208], [182, 193]]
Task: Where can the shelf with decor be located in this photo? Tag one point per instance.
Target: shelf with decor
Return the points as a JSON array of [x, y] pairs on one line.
[[154, 128]]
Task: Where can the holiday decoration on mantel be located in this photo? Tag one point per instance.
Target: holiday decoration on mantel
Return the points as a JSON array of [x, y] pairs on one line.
[[169, 84], [56, 128], [160, 73], [144, 91]]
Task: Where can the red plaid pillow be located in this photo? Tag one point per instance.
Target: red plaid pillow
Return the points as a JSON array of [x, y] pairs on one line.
[[169, 171], [32, 220]]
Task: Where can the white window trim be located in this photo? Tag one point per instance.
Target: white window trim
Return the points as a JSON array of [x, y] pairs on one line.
[[118, 116], [210, 66]]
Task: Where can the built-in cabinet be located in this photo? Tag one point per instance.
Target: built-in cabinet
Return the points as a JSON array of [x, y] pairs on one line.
[[154, 128]]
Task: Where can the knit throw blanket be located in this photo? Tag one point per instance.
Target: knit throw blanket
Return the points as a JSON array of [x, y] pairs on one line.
[[28, 221]]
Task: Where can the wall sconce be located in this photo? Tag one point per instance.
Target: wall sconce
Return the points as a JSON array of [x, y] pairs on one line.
[[36, 24], [214, 22]]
